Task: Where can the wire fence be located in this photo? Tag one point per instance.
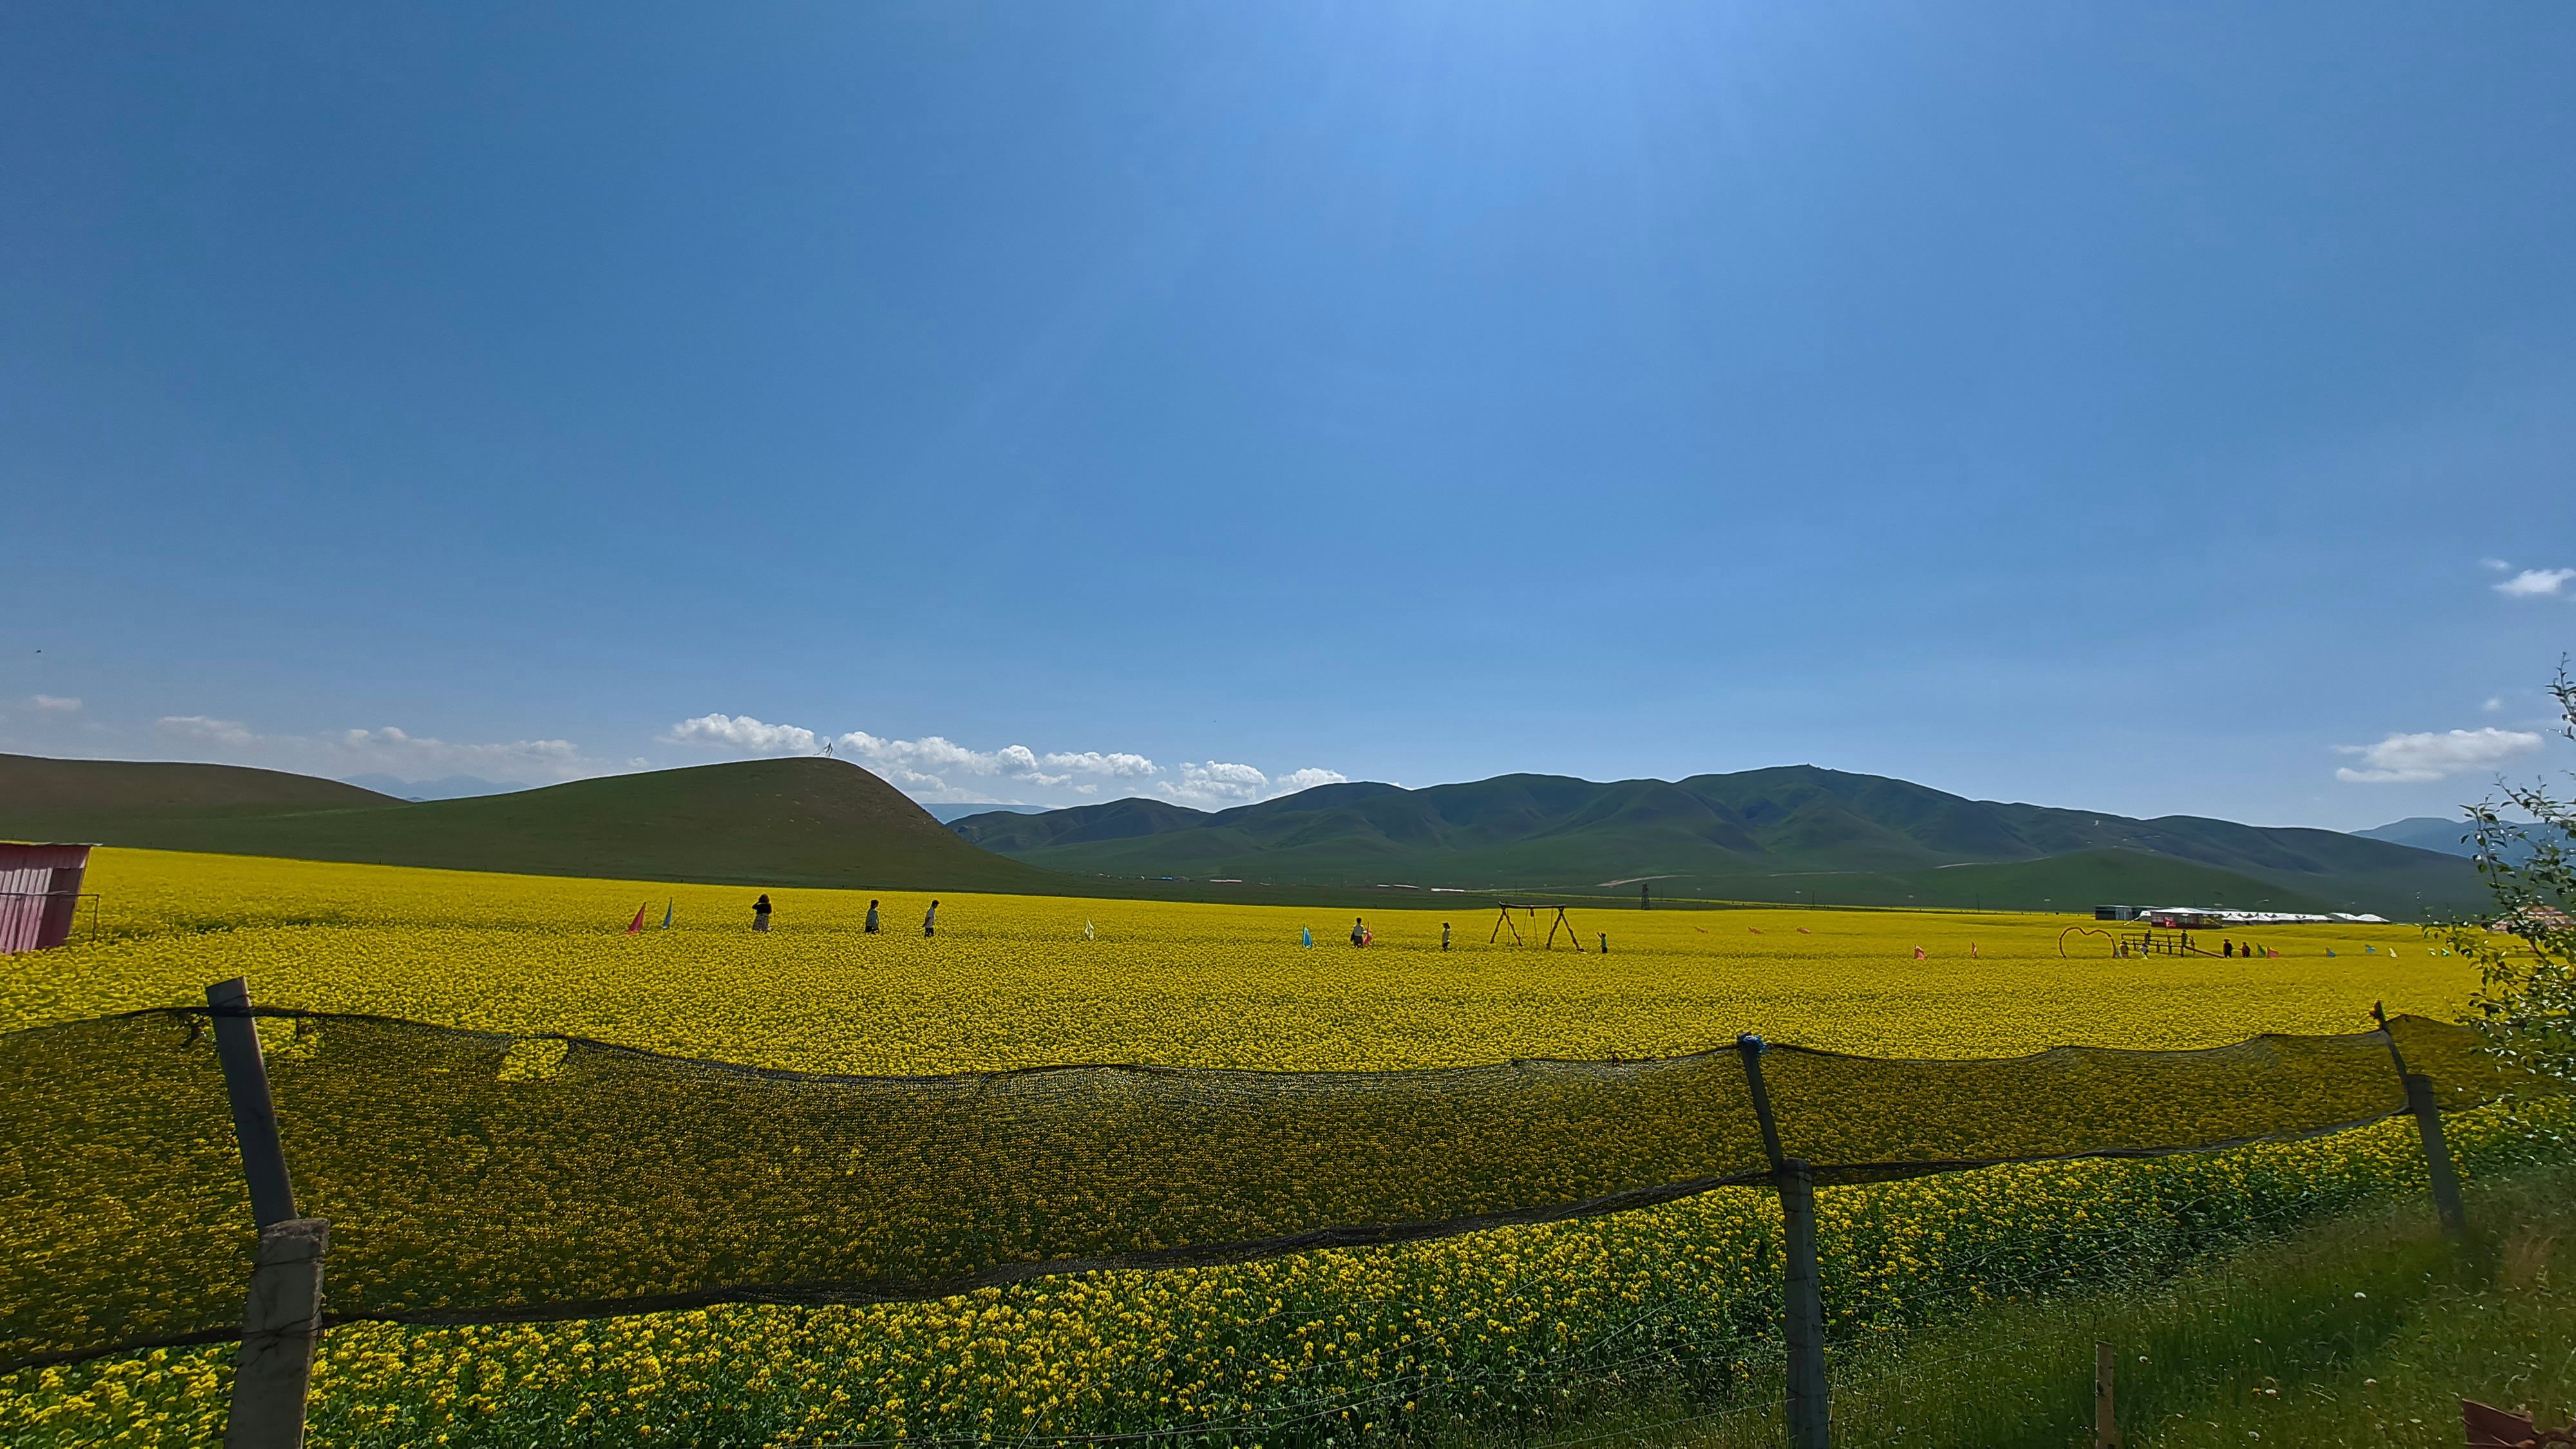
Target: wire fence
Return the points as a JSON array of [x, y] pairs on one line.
[[1888, 1387], [478, 1178]]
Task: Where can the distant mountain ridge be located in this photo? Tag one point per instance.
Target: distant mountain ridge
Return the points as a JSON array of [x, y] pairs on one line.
[[2432, 832], [449, 787], [1758, 834], [944, 813], [1790, 834]]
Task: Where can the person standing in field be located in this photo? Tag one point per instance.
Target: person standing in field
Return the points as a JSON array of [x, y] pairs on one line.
[[871, 927], [930, 920], [1359, 931], [1444, 935], [760, 915]]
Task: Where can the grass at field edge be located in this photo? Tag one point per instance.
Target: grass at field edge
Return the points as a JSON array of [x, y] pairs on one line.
[[2364, 1330]]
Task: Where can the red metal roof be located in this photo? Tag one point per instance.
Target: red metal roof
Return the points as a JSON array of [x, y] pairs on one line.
[[40, 888]]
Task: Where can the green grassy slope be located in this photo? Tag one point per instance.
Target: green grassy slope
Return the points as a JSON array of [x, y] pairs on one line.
[[1734, 835], [801, 822], [2073, 882], [30, 784]]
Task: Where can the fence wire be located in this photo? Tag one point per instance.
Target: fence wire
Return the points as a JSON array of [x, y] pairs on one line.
[[472, 1177]]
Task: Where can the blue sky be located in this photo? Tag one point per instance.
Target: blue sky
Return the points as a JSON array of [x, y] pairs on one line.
[[2165, 409]]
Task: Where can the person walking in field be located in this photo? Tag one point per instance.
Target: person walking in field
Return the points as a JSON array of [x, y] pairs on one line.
[[1359, 932], [871, 927], [1444, 935], [760, 915], [930, 920]]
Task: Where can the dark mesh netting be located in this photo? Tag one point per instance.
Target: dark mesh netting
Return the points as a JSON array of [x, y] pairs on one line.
[[474, 1177]]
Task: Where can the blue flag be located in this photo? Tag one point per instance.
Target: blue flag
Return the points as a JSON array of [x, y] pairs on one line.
[[666, 914]]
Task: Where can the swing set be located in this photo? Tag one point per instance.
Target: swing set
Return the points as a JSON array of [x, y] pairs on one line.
[[1503, 922]]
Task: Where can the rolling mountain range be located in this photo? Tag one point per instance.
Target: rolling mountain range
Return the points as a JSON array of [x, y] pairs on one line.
[[1790, 833], [799, 822]]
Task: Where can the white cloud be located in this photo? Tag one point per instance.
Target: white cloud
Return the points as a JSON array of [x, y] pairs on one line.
[[208, 731], [2434, 755], [2495, 704], [2537, 584], [742, 732], [1093, 762], [2496, 565], [940, 771], [57, 704], [387, 751], [1306, 779], [1217, 785], [927, 763]]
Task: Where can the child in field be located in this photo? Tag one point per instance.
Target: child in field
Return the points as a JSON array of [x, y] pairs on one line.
[[1444, 935], [930, 920], [760, 914], [871, 927], [1359, 932]]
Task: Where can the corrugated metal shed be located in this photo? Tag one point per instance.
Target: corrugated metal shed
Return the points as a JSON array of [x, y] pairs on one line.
[[40, 891]]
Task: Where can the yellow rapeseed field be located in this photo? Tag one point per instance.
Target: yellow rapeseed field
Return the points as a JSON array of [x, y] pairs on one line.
[[1014, 981], [1292, 1350]]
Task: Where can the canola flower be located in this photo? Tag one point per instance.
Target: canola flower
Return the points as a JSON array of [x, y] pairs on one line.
[[1011, 982], [1382, 1341]]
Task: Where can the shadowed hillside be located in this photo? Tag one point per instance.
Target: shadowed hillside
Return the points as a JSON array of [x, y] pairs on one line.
[[803, 822]]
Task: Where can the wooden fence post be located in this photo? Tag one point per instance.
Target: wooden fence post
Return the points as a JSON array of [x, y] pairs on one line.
[[1804, 1322], [282, 1319], [281, 1327], [2437, 1155], [1802, 1318], [2106, 1417], [2428, 1125], [272, 1195]]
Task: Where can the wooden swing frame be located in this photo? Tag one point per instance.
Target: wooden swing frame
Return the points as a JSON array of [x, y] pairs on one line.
[[1503, 922]]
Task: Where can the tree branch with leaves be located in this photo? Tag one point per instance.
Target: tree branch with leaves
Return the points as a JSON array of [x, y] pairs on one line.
[[2526, 949]]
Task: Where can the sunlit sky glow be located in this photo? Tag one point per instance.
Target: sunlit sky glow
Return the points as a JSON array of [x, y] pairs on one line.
[[2161, 409]]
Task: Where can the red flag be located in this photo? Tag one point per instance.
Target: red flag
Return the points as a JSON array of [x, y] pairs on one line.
[[636, 927]]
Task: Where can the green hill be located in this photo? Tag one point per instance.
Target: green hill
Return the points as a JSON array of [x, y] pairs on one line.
[[800, 822], [1775, 834], [30, 784]]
